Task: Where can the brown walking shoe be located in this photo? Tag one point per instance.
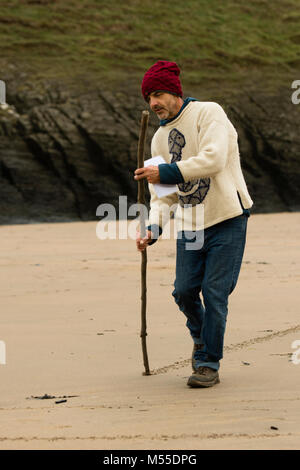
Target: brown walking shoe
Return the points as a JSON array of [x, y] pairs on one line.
[[197, 347], [204, 377]]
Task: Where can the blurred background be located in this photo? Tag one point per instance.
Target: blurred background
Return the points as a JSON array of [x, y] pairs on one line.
[[73, 69]]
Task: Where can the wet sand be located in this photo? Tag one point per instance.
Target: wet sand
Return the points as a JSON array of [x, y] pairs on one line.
[[70, 320]]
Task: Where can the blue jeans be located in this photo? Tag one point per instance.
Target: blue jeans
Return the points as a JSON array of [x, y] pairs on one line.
[[213, 270]]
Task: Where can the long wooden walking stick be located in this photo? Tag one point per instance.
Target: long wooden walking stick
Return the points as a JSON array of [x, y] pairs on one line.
[[141, 202]]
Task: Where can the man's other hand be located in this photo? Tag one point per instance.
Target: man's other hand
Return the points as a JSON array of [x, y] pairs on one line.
[[142, 243], [150, 172]]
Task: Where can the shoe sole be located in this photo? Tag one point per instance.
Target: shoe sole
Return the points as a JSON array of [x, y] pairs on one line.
[[194, 383]]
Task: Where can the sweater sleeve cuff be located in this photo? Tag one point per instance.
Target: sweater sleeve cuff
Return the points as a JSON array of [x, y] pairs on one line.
[[169, 173], [156, 230]]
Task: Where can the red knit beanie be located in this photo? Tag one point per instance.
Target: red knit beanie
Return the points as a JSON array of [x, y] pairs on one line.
[[162, 76]]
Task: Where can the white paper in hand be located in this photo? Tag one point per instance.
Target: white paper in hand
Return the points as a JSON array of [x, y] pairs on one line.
[[161, 189]]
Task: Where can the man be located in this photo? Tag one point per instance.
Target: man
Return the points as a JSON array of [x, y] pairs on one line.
[[199, 145]]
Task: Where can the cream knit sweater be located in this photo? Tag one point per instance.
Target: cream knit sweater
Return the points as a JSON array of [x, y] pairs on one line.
[[203, 143]]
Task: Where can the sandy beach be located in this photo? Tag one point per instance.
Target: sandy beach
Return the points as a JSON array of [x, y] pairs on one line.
[[70, 323]]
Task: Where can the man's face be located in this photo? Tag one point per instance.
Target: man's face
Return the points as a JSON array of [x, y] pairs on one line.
[[164, 105]]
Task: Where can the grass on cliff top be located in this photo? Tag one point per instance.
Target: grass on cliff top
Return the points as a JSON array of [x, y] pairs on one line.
[[216, 43]]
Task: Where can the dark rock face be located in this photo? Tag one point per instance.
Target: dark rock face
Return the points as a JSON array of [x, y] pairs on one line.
[[61, 156], [269, 140]]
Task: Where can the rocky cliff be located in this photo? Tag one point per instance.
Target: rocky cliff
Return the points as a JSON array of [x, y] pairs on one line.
[[62, 154]]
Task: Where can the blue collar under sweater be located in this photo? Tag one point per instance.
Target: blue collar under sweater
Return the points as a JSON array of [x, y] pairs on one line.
[[163, 122]]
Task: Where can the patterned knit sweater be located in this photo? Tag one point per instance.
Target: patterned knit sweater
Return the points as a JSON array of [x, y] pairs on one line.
[[201, 150]]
